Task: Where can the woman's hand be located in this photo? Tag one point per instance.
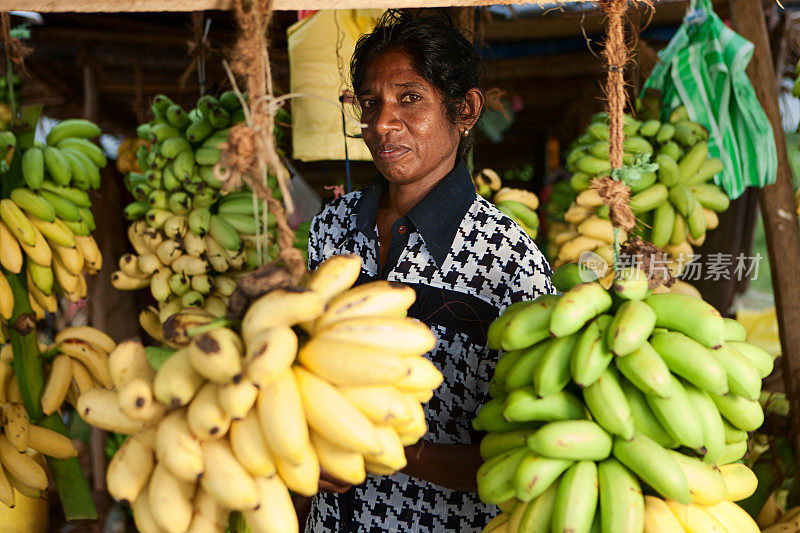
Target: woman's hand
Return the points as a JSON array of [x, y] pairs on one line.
[[328, 483]]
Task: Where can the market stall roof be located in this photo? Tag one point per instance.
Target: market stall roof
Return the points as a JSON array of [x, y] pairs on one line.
[[130, 6]]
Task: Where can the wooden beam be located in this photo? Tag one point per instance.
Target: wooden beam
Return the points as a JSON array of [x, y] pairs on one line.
[[130, 6], [777, 206]]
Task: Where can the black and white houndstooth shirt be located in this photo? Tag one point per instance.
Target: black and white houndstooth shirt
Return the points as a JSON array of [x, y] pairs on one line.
[[466, 261]]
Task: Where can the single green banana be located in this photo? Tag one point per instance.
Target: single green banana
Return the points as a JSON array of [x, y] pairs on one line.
[[198, 130], [158, 199], [568, 275], [671, 149], [33, 204], [57, 165], [41, 276], [679, 114], [744, 414], [206, 103], [650, 127], [663, 225], [496, 476], [591, 356], [711, 196], [535, 474], [33, 167], [665, 133], [654, 465], [76, 196], [537, 514], [696, 222], [183, 165], [733, 435], [644, 420], [630, 283], [490, 418], [677, 415], [577, 440], [644, 182], [710, 420], [691, 360], [520, 374], [743, 377], [688, 315], [582, 303], [177, 117], [87, 217], [530, 325], [494, 443], [598, 130], [244, 224], [599, 149], [161, 103], [708, 169], [733, 452], [632, 325], [136, 210], [63, 207], [690, 133], [80, 174], [637, 145], [523, 405], [157, 217], [180, 203], [679, 230], [219, 117], [552, 373], [646, 370], [576, 501], [497, 327], [207, 156], [759, 358], [161, 132], [649, 199], [579, 181], [199, 221], [734, 331], [171, 182], [75, 127], [593, 166], [608, 404], [209, 177], [173, 146], [668, 173], [621, 500], [682, 199], [690, 163]]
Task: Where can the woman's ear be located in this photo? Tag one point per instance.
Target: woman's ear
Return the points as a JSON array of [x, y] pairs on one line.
[[472, 107]]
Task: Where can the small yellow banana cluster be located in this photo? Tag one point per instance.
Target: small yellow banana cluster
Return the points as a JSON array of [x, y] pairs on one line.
[[235, 420], [77, 362], [773, 520], [80, 365], [707, 513]]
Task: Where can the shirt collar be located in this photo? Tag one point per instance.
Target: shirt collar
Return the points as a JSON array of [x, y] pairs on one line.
[[436, 217]]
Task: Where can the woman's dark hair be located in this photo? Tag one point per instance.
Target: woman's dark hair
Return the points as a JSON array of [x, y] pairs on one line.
[[439, 53]]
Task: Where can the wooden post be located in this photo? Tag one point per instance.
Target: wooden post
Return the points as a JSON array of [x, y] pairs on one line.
[[777, 206]]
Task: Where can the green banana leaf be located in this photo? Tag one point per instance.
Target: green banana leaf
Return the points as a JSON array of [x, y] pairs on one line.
[[703, 68]]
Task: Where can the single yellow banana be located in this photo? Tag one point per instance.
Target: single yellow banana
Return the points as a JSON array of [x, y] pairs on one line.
[[71, 258], [21, 465], [170, 500], [178, 448], [130, 468], [6, 299], [136, 400], [40, 252], [404, 336], [128, 361], [237, 399], [57, 385], [143, 515], [7, 496], [100, 408], [205, 416], [16, 425], [280, 308], [339, 462], [176, 381], [411, 432], [733, 517], [301, 477], [92, 257], [383, 404], [51, 443], [378, 298], [270, 353], [335, 276], [88, 333], [226, 479], [65, 279], [148, 320], [82, 378], [249, 446], [209, 515], [10, 251], [123, 282], [217, 355], [282, 417], [658, 518], [352, 364], [392, 456], [275, 512]]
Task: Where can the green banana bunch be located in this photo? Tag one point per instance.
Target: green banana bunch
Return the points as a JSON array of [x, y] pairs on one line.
[[518, 204], [675, 206], [45, 222], [604, 392], [186, 231]]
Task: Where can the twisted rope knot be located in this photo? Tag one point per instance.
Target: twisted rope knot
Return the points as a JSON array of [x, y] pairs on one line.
[[616, 195]]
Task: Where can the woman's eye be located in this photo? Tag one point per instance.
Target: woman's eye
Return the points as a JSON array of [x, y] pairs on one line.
[[410, 97], [367, 102]]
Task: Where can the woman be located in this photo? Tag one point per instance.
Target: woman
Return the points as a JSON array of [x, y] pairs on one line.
[[420, 222]]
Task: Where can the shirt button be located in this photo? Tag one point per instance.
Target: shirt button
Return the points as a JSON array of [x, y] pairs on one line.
[[401, 230]]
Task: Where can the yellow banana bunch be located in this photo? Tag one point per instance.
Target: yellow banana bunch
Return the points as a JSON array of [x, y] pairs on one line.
[[240, 418]]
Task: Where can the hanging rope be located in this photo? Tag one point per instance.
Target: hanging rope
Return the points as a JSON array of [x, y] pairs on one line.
[[199, 48], [15, 50], [249, 155]]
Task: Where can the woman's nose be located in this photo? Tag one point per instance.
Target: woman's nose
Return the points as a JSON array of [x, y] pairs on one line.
[[386, 119]]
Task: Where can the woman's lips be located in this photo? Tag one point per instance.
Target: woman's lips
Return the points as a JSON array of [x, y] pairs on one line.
[[389, 153]]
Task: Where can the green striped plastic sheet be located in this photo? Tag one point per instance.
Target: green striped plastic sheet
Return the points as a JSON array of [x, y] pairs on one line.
[[703, 68]]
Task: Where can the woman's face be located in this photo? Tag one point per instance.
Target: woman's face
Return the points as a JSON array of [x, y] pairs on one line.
[[407, 129]]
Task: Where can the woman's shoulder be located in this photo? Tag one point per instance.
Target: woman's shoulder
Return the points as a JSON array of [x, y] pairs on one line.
[[337, 210], [499, 230]]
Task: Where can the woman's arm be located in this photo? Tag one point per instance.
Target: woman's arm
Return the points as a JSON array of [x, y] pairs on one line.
[[450, 465]]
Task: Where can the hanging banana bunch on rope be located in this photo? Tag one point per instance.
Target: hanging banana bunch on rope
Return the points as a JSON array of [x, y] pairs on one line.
[[675, 205], [77, 362], [518, 204], [600, 391], [235, 419], [45, 222], [191, 239]]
